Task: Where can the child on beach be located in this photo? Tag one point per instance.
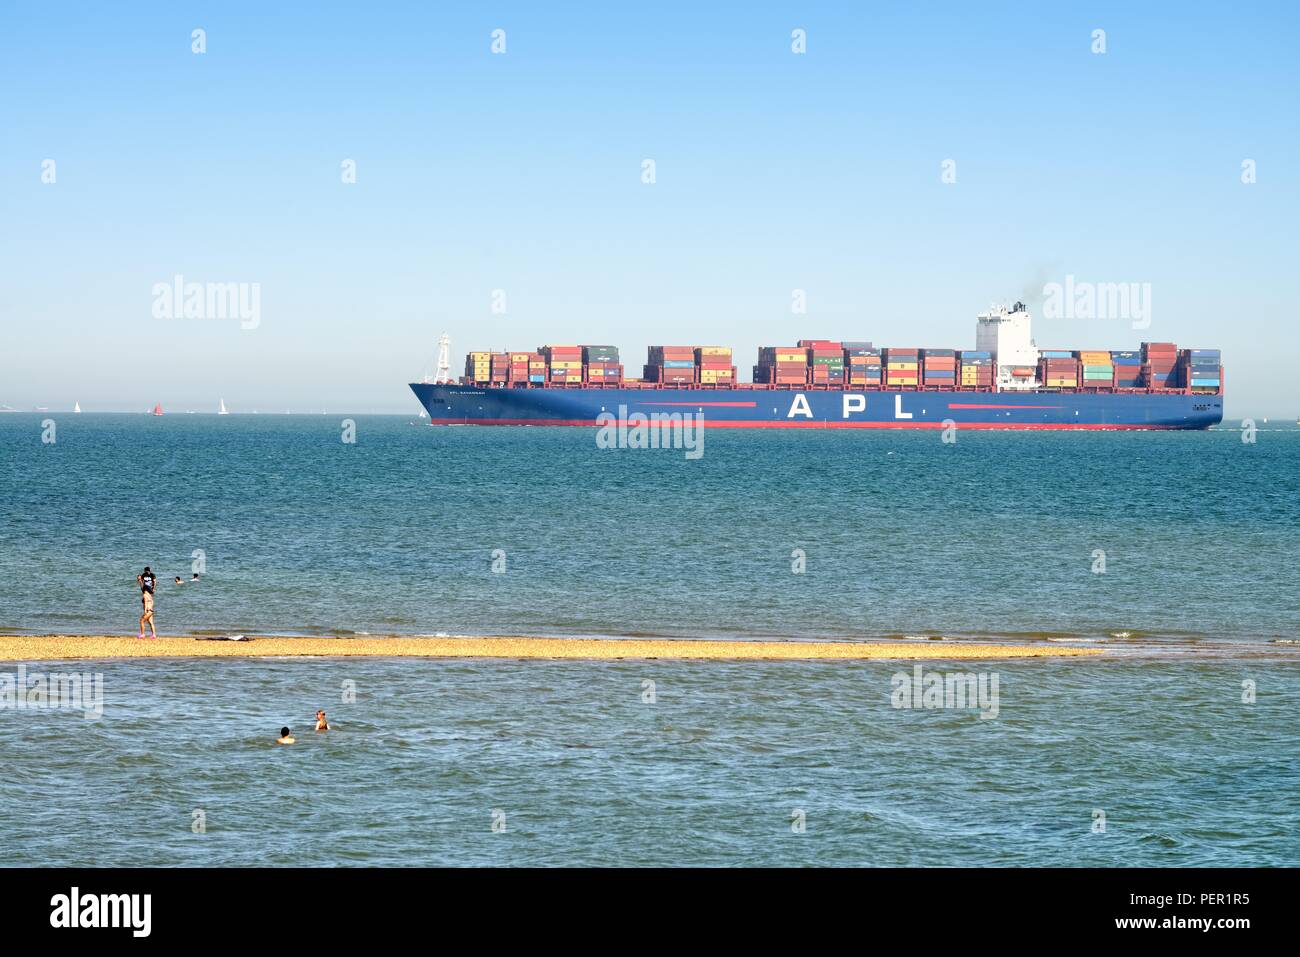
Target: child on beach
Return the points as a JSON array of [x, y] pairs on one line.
[[147, 581], [285, 737]]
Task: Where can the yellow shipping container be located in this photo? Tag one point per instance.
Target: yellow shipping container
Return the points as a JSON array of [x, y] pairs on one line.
[[715, 350], [792, 355], [565, 364], [902, 366]]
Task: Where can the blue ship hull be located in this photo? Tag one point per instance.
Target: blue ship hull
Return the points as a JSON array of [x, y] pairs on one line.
[[789, 408]]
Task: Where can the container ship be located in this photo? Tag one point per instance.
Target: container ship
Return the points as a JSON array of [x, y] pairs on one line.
[[1005, 382]]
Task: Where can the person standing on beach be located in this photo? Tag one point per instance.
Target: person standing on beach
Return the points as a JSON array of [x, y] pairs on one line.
[[147, 582]]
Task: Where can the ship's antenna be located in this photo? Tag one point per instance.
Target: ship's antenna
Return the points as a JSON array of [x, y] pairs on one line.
[[444, 359]]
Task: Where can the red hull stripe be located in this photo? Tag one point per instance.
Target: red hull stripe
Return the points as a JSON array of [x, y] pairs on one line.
[[708, 405], [785, 424], [977, 405]]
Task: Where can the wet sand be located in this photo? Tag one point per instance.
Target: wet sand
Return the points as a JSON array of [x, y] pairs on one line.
[[55, 647]]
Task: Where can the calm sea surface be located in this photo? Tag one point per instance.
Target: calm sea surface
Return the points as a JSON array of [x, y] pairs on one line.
[[999, 535]]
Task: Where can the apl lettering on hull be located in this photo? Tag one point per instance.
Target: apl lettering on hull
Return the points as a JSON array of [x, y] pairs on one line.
[[853, 402]]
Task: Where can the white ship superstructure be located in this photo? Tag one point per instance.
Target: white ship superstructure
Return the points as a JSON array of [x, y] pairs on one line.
[[1005, 333]]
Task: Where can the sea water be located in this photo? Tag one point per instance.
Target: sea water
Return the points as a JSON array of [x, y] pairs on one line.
[[1176, 553]]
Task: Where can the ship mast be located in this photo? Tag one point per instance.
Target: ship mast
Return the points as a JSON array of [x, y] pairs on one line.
[[444, 359]]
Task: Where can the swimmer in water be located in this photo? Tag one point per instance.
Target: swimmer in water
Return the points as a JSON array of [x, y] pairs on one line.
[[285, 737], [147, 581], [321, 723], [179, 581]]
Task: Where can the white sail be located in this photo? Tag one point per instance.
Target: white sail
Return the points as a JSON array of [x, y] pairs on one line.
[[76, 407], [221, 408]]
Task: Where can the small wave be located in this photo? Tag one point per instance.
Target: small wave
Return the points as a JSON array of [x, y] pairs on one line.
[[1163, 840]]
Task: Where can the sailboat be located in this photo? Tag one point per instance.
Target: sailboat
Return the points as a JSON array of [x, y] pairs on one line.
[[221, 407], [76, 407], [157, 409]]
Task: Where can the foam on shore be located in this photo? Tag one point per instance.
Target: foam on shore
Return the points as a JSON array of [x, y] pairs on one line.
[[55, 647]]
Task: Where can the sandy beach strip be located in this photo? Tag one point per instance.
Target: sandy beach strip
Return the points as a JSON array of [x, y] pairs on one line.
[[56, 647]]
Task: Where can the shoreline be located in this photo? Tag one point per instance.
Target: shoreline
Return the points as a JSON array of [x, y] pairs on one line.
[[73, 647]]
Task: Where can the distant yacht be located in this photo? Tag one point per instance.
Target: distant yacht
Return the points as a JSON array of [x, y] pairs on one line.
[[423, 414], [157, 409], [221, 407], [76, 407]]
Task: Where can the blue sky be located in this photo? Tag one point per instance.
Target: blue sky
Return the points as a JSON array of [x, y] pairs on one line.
[[522, 172]]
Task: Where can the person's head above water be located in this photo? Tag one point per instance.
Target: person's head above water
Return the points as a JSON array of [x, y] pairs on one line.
[[146, 570], [284, 732], [178, 579]]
